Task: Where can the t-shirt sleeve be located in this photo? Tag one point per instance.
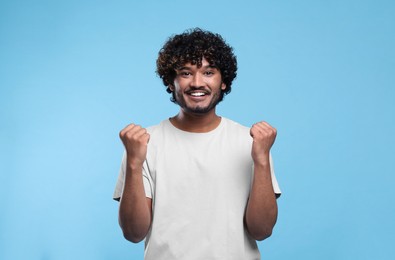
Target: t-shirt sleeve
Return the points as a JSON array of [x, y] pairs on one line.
[[147, 180], [276, 187]]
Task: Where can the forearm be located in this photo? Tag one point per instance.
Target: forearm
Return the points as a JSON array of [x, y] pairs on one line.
[[261, 212], [134, 211]]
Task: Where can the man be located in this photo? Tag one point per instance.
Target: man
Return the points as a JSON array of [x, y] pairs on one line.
[[197, 186]]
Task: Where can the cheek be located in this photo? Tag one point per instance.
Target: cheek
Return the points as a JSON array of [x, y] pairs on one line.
[[179, 85]]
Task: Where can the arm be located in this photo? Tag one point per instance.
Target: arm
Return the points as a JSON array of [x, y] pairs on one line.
[[135, 212], [261, 212]]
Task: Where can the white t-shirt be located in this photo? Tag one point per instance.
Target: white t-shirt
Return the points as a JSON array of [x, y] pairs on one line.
[[199, 184]]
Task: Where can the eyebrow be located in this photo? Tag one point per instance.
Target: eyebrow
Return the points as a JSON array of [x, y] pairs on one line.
[[204, 67]]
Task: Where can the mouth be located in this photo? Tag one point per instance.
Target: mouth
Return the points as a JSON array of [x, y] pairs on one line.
[[197, 93]]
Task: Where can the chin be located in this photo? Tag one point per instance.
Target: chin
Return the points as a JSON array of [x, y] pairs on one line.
[[198, 110]]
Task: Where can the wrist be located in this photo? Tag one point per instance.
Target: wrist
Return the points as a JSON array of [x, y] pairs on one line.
[[261, 165], [135, 166], [262, 160]]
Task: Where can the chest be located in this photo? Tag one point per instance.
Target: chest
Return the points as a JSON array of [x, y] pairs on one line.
[[199, 169]]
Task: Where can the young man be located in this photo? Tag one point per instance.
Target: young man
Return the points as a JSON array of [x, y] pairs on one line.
[[197, 186]]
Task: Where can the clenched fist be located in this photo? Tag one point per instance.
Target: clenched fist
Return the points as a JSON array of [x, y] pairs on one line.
[[263, 136], [135, 139]]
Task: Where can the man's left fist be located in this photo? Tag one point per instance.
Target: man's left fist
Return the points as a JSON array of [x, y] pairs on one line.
[[263, 136]]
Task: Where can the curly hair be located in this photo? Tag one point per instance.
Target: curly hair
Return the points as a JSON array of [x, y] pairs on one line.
[[192, 46]]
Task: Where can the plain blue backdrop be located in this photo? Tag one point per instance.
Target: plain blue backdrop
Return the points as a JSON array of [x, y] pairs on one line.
[[74, 73]]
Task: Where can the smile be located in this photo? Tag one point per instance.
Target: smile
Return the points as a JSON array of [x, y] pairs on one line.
[[197, 94]]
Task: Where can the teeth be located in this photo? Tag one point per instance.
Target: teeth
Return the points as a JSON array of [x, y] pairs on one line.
[[197, 94]]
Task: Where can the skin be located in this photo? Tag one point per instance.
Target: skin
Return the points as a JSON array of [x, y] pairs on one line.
[[261, 212], [197, 113], [135, 213], [197, 91]]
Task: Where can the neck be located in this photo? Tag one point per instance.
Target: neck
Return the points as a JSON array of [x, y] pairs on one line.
[[196, 123]]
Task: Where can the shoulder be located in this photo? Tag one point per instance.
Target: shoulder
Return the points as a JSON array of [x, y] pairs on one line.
[[236, 132], [159, 133], [234, 126], [155, 129]]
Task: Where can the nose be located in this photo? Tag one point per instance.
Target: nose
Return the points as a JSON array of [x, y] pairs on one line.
[[197, 80]]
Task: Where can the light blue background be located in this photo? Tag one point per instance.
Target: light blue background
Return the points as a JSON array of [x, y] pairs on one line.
[[73, 73]]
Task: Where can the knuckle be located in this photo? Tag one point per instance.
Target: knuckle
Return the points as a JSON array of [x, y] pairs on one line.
[[122, 134], [129, 135]]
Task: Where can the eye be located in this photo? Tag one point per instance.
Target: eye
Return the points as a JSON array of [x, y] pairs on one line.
[[184, 74], [209, 73]]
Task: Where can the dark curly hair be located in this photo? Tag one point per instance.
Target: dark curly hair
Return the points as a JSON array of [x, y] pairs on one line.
[[192, 46]]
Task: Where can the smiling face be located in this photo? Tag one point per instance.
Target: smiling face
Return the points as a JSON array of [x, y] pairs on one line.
[[197, 89]]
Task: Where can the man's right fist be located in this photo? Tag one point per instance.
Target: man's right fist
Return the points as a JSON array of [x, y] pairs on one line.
[[135, 139]]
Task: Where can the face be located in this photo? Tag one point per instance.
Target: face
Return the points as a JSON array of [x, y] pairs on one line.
[[197, 90]]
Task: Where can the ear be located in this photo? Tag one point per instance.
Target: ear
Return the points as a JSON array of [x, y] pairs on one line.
[[171, 87], [223, 86]]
